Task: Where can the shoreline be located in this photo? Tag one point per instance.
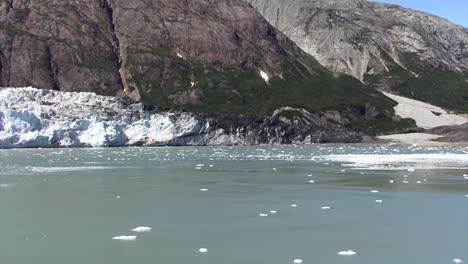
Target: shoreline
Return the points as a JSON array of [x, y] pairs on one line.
[[420, 139]]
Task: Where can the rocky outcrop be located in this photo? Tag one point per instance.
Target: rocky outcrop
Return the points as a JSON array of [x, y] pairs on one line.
[[451, 133], [416, 54], [42, 118]]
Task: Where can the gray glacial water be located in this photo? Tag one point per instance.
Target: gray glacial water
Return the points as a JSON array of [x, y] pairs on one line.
[[65, 205]]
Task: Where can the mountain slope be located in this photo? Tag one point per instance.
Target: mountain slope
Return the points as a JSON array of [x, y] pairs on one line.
[[386, 46], [204, 55]]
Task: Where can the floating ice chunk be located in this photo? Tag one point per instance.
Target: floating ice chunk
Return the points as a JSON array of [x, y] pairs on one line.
[[411, 170], [325, 207], [347, 253], [274, 169], [117, 197], [457, 260], [125, 238], [263, 215], [200, 165], [406, 182], [374, 191], [298, 261], [203, 250], [203, 190], [391, 181], [6, 185], [293, 205], [312, 181], [265, 76], [142, 229], [418, 182], [343, 170], [465, 176], [378, 201], [310, 175], [273, 212]]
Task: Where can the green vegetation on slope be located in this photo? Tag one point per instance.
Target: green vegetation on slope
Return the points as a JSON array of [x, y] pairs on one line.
[[446, 89], [241, 91]]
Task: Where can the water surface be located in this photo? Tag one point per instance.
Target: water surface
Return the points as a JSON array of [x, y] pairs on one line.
[[65, 205]]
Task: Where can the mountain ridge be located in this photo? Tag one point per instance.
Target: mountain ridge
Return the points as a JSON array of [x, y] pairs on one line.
[[385, 46]]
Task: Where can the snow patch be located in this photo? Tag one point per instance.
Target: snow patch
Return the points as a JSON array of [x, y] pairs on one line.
[[425, 115], [265, 76]]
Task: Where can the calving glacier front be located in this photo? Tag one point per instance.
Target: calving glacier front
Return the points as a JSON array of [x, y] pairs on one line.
[[40, 118], [32, 118]]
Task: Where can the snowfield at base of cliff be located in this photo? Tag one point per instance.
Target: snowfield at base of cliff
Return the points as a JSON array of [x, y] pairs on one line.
[[32, 118]]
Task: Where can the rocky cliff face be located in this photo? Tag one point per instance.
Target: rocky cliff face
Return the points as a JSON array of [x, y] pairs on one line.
[[43, 118], [66, 45], [203, 55], [386, 46]]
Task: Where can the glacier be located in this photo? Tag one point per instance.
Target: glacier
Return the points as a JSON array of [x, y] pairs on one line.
[[38, 118]]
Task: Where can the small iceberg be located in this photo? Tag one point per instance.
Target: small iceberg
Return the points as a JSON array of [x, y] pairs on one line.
[[298, 261], [125, 238], [203, 250], [142, 229], [347, 253]]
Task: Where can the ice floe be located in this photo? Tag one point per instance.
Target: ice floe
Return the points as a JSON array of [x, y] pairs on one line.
[[347, 253], [142, 229], [408, 162], [125, 238]]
